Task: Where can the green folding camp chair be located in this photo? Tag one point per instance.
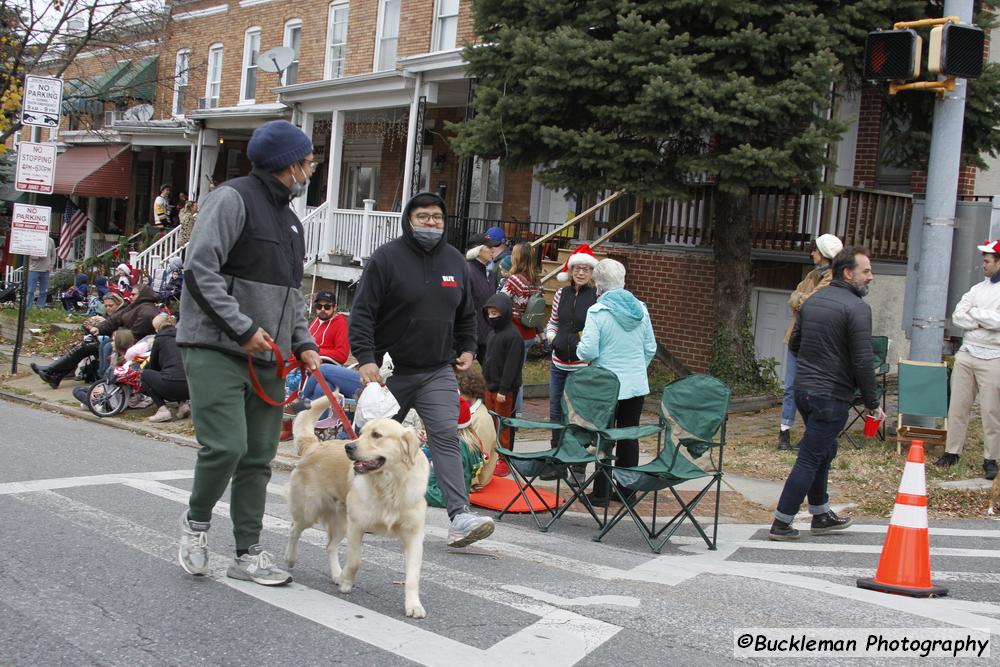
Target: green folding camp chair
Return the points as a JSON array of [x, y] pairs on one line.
[[693, 411], [880, 360], [923, 393], [588, 405]]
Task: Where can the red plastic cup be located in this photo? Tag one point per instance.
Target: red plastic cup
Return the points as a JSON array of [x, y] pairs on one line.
[[871, 426]]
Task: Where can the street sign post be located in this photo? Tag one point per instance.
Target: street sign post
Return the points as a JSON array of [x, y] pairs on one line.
[[41, 104], [29, 230], [36, 167]]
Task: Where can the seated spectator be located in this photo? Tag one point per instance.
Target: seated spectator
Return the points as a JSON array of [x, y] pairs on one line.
[[122, 282], [101, 283], [163, 377], [75, 298], [329, 329], [478, 431], [137, 317], [94, 304]]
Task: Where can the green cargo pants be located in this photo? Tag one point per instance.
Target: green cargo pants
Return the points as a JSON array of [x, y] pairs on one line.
[[238, 434]]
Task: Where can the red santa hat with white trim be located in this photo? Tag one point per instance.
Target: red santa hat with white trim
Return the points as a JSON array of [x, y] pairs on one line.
[[582, 256]]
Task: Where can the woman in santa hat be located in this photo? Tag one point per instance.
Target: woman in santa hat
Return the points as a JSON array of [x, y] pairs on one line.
[[569, 313]]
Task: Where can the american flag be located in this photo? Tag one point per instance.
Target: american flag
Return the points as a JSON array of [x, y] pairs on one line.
[[74, 221]]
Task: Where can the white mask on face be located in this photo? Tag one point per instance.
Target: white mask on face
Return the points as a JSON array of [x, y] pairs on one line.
[[299, 189]]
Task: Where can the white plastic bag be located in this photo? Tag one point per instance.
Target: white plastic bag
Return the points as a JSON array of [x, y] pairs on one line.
[[375, 402]]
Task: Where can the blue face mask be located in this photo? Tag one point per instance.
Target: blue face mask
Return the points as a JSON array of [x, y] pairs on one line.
[[427, 237]]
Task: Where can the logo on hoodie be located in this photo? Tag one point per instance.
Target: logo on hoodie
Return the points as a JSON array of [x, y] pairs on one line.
[[448, 281]]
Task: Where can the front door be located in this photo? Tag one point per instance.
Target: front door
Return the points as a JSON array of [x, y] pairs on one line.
[[771, 316]]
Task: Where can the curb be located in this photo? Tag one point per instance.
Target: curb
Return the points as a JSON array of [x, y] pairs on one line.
[[280, 462]]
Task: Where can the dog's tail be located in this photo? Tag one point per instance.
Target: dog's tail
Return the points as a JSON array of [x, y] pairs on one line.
[[304, 426]]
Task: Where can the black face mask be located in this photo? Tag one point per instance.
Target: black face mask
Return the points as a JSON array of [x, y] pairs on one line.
[[494, 322]]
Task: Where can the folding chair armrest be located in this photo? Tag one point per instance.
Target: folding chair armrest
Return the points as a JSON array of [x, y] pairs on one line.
[[631, 432], [527, 423]]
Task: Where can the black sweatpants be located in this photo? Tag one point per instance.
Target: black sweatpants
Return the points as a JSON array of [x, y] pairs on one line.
[[627, 413], [162, 389]]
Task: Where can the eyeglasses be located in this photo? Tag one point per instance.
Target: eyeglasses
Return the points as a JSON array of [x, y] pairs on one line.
[[324, 306], [424, 218], [582, 269]]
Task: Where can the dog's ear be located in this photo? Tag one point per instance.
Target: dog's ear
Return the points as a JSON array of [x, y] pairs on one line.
[[411, 445]]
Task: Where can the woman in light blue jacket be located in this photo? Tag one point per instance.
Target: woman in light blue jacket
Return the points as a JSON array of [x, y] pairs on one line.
[[619, 336]]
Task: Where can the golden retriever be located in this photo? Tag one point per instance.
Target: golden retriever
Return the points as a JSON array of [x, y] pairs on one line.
[[374, 484]]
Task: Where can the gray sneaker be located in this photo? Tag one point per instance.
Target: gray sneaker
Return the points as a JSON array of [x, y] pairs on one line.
[[257, 566], [468, 527], [193, 553]]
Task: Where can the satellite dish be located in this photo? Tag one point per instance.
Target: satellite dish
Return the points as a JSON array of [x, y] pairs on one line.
[[277, 59], [140, 112]]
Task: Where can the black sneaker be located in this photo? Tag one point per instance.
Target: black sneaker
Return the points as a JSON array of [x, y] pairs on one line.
[[824, 523], [782, 532], [947, 460], [990, 469], [784, 440]]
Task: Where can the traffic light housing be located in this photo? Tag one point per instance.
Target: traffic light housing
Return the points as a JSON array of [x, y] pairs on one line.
[[956, 50], [893, 55]]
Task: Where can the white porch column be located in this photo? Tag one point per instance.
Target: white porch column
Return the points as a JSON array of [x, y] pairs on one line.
[[192, 185], [209, 156], [299, 203], [411, 141], [364, 249], [334, 156], [88, 246]]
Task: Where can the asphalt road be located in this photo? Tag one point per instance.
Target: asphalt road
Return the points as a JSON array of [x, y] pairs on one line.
[[89, 575]]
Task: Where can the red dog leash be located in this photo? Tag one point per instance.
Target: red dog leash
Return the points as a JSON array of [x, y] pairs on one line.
[[281, 371]]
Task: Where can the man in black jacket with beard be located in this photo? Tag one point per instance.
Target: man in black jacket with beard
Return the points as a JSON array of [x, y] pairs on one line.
[[415, 302], [833, 348]]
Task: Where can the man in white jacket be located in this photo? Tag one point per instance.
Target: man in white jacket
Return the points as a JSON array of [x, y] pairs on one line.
[[977, 365]]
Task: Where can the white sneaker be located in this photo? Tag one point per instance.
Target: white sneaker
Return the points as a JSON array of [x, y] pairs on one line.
[[193, 552], [257, 566], [139, 401], [162, 415], [468, 527]]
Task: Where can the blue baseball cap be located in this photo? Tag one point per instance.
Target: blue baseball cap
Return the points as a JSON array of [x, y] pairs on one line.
[[494, 236]]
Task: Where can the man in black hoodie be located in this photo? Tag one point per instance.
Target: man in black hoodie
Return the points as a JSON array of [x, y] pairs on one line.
[[832, 342], [415, 303]]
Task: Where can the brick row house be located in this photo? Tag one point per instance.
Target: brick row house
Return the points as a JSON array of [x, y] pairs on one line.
[[374, 82]]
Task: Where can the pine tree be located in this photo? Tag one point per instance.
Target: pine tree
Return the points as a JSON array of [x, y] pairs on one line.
[[651, 97]]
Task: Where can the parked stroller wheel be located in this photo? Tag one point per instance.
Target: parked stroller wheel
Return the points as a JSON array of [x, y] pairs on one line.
[[108, 399]]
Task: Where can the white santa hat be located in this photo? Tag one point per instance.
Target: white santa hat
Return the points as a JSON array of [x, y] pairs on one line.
[[473, 252], [829, 245], [582, 256]]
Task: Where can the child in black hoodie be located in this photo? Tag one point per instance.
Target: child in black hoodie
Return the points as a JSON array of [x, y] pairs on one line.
[[504, 361]]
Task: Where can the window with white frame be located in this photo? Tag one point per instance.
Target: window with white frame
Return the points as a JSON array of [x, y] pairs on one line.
[[336, 40], [388, 35], [486, 193], [251, 53], [293, 40], [182, 65], [446, 25], [213, 76]]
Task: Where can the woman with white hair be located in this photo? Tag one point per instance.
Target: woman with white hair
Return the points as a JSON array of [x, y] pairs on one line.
[[619, 336]]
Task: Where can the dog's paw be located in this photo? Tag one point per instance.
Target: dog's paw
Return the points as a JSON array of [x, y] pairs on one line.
[[346, 586], [415, 611], [990, 511]]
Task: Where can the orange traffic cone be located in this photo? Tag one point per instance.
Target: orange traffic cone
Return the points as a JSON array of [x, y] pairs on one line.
[[905, 566]]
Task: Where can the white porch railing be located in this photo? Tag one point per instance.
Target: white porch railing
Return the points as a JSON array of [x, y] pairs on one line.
[[314, 226], [152, 258], [12, 275], [356, 234]]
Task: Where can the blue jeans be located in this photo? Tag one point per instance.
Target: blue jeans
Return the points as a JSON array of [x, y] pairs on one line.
[[824, 418], [106, 347], [41, 279], [344, 380], [788, 400], [557, 384]]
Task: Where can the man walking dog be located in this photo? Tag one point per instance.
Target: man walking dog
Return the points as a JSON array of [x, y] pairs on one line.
[[415, 302], [242, 280]]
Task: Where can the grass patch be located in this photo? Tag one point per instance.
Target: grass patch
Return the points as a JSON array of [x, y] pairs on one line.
[[45, 316], [869, 476], [50, 344]]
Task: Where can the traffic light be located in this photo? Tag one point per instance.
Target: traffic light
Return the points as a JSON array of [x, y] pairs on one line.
[[893, 55], [956, 50]]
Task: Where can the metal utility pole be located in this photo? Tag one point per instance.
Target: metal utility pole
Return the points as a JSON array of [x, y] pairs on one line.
[[929, 314]]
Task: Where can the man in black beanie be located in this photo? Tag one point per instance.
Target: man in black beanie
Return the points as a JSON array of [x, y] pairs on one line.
[[242, 278]]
